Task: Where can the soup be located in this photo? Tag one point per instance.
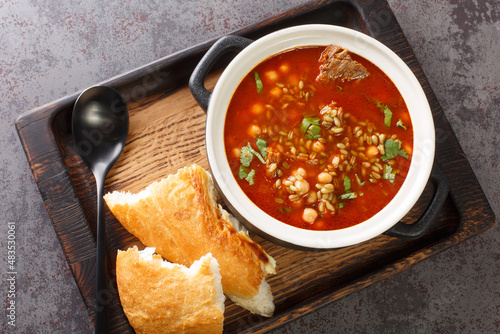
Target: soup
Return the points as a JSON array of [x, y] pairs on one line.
[[316, 143]]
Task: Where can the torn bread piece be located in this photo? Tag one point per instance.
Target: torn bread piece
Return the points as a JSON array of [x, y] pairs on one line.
[[179, 216], [162, 297]]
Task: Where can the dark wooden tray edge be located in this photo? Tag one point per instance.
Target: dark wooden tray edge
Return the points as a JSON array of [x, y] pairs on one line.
[[260, 325]]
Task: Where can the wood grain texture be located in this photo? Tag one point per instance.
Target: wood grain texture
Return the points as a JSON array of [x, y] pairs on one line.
[[167, 131]]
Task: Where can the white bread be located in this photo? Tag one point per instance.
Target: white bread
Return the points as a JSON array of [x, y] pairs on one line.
[[162, 297], [179, 216]]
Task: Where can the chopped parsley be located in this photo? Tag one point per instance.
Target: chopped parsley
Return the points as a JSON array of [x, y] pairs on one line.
[[242, 173], [347, 184], [258, 82], [246, 155], [257, 154], [359, 180], [388, 174], [285, 210], [262, 145], [310, 127], [387, 116], [348, 196], [401, 125], [393, 149], [250, 177], [387, 113], [347, 188]]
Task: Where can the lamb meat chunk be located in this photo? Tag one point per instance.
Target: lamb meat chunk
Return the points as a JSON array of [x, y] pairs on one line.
[[273, 160], [337, 64]]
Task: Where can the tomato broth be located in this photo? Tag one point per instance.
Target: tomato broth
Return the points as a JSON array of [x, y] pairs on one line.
[[319, 155]]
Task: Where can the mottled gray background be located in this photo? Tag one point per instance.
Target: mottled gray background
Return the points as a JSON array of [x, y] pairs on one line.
[[50, 48]]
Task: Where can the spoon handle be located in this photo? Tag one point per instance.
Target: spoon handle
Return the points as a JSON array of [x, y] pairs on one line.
[[102, 293]]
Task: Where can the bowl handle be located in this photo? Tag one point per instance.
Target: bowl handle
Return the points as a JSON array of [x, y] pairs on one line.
[[197, 79], [417, 229]]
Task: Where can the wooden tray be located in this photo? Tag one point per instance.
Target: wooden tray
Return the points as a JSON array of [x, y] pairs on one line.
[[167, 132]]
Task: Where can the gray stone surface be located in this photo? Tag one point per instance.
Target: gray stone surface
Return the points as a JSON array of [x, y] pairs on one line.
[[51, 48]]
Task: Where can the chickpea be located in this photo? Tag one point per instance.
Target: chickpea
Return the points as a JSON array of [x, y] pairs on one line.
[[320, 224], [296, 205], [284, 68], [300, 171], [372, 151], [276, 92], [237, 152], [258, 109], [309, 215], [311, 197], [324, 177], [302, 187], [254, 130], [272, 75], [318, 146], [408, 148]]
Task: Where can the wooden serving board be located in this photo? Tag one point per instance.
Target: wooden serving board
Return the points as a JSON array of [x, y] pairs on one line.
[[167, 131]]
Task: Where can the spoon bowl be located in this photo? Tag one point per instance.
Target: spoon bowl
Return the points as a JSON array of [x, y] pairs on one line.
[[100, 127]]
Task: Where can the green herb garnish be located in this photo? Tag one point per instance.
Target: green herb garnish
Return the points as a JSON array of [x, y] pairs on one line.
[[347, 188], [313, 132], [348, 196], [341, 205], [246, 155], [242, 173], [285, 210], [387, 113], [347, 184], [387, 116], [388, 174], [401, 125], [393, 149], [310, 127], [257, 154], [250, 177], [262, 145], [258, 82], [359, 180]]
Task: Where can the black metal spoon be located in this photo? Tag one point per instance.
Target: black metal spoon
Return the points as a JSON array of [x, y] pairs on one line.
[[100, 127]]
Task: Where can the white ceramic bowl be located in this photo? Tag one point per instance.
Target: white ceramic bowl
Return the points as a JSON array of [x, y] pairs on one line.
[[424, 142]]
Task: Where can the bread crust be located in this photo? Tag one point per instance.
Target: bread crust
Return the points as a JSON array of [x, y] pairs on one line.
[[180, 218], [157, 299]]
